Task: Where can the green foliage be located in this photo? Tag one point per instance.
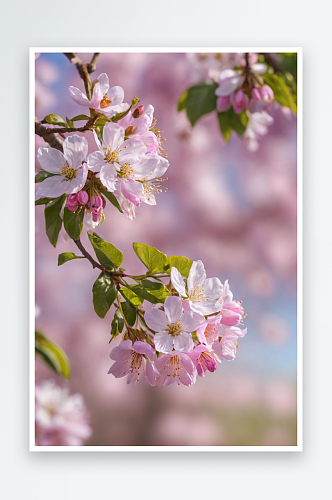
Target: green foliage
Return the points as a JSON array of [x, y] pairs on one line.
[[182, 264], [41, 175], [282, 92], [144, 294], [53, 221], [112, 254], [73, 223], [55, 120], [80, 117], [156, 289], [182, 101], [229, 120], [131, 296], [289, 63], [104, 294], [154, 260], [129, 312], [118, 116], [200, 100], [117, 324], [43, 201], [65, 257], [52, 354], [111, 198]]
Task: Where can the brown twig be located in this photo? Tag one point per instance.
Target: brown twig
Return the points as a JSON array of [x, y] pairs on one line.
[[49, 135], [88, 256], [82, 70], [91, 67], [273, 60], [64, 130]]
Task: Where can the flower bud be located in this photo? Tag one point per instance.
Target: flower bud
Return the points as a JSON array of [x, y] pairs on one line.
[[138, 111], [130, 130], [223, 103], [82, 197], [256, 95], [240, 101], [95, 205], [71, 202], [230, 318], [267, 93]]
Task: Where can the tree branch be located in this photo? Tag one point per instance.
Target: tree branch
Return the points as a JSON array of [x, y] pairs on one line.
[[91, 67], [273, 60], [88, 256], [82, 70], [64, 130], [49, 135]]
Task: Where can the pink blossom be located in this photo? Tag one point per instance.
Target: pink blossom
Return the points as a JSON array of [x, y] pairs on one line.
[[223, 103], [61, 420], [82, 197], [240, 101], [176, 367], [232, 310], [138, 124], [72, 202], [173, 327], [134, 361], [204, 359], [95, 206], [229, 80], [207, 333], [226, 348], [104, 99]]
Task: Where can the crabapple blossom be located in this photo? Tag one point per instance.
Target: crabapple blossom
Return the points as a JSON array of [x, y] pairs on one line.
[[138, 123], [104, 99], [207, 332], [82, 197], [226, 348], [223, 103], [240, 101], [95, 206], [61, 419], [173, 327], [72, 202], [176, 367], [228, 80], [134, 361], [200, 294], [204, 359], [68, 168]]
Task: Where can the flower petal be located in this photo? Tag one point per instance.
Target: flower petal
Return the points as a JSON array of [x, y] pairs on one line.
[[206, 307], [51, 160], [178, 282], [156, 320], [78, 182], [52, 187], [97, 96], [108, 176], [75, 149], [163, 342], [113, 136], [116, 95], [132, 152], [183, 342], [96, 161], [104, 83], [213, 288], [132, 190], [191, 321], [259, 68], [173, 309], [79, 97], [197, 275]]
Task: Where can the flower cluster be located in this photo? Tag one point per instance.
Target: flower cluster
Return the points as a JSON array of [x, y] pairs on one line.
[[61, 420], [188, 335], [128, 162]]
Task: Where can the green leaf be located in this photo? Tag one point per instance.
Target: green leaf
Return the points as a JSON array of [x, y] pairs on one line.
[[117, 324], [73, 223], [102, 120], [200, 101], [156, 289], [42, 174], [154, 260], [55, 120], [118, 116], [53, 221], [289, 63], [182, 264], [65, 257], [129, 295], [80, 117], [43, 201], [52, 354], [282, 92], [110, 251], [229, 120], [129, 312], [182, 101], [104, 294], [111, 198], [144, 294]]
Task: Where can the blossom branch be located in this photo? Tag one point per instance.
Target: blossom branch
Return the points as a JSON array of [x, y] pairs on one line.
[[91, 67], [89, 257], [49, 135], [63, 130], [82, 70]]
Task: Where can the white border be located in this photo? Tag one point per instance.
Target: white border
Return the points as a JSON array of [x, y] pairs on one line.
[[299, 446]]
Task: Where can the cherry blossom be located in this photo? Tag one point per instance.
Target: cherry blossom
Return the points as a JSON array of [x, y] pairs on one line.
[[200, 294], [207, 332], [104, 99], [204, 359], [173, 327], [138, 123], [226, 348], [134, 361], [61, 419], [68, 168], [176, 367]]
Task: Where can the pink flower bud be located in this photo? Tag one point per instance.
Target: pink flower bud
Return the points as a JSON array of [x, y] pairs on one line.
[[71, 202], [96, 207], [256, 95], [82, 197], [267, 93], [138, 111], [223, 103], [230, 318], [234, 306], [240, 101]]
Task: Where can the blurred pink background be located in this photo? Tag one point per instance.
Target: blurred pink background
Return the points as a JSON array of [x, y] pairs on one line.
[[232, 209]]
